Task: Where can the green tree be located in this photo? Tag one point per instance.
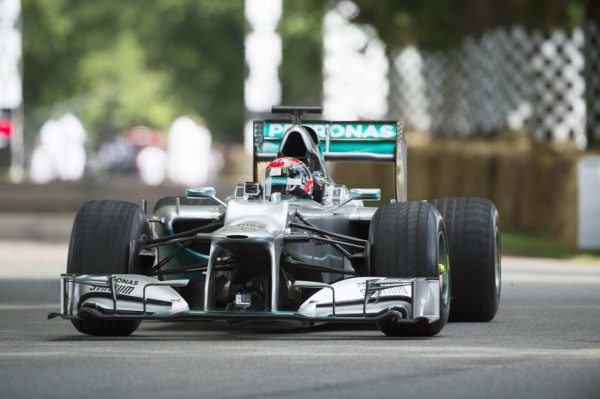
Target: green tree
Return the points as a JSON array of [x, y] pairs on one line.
[[118, 64], [441, 24], [301, 30], [200, 44]]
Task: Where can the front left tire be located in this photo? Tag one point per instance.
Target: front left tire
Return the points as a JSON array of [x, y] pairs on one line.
[[408, 239], [474, 241]]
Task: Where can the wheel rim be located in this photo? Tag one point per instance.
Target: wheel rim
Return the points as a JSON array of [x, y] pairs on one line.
[[497, 260], [444, 261]]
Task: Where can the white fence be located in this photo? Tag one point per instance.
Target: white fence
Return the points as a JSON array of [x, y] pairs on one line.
[[508, 78]]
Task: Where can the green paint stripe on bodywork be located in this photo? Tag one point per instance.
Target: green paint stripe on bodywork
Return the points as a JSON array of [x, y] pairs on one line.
[[370, 146], [190, 254], [201, 255]]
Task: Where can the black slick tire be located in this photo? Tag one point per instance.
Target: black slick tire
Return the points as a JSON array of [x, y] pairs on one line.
[[100, 244], [473, 232], [408, 239]]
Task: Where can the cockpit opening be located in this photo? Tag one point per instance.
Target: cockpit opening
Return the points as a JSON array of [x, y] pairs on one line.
[[294, 146]]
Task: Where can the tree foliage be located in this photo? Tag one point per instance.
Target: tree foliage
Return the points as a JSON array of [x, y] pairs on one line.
[[121, 63], [301, 29], [441, 24], [118, 64]]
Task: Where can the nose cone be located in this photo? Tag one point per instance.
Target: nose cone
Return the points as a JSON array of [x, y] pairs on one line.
[[247, 231], [253, 221]]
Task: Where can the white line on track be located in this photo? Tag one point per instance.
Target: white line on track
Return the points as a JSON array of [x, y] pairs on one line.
[[420, 351], [20, 306]]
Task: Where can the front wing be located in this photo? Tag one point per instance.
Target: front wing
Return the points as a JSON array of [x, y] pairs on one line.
[[357, 299]]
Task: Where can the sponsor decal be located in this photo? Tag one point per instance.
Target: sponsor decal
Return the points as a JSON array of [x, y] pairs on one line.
[[124, 286], [120, 280], [339, 131], [121, 289], [275, 172], [283, 181], [401, 290], [277, 181], [247, 226], [294, 182]]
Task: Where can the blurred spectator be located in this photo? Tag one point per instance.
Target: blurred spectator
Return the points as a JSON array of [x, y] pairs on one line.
[[122, 155], [191, 159], [152, 164], [117, 156], [61, 152], [70, 164]]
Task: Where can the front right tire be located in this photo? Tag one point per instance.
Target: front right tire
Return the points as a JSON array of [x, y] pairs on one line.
[[100, 244]]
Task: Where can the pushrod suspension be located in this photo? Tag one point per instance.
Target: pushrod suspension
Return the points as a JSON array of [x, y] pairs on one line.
[[184, 234], [329, 233]]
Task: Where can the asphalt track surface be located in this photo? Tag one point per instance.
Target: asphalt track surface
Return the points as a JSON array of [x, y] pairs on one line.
[[544, 343]]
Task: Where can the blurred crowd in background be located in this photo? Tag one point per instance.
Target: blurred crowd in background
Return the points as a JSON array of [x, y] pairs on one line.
[[186, 157]]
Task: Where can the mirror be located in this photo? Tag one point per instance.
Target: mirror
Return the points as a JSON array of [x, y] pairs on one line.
[[202, 192], [366, 194]]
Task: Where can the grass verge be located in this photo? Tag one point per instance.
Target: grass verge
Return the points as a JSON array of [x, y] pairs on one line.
[[534, 245]]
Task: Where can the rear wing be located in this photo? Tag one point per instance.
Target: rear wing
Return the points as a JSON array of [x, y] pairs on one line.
[[371, 141]]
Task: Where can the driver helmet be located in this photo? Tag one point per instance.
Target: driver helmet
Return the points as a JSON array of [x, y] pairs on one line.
[[288, 176]]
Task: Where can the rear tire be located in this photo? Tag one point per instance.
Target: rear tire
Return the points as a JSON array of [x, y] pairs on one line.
[[100, 244], [408, 240], [474, 242]]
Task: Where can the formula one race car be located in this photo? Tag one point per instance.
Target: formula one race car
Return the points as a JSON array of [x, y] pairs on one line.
[[290, 246]]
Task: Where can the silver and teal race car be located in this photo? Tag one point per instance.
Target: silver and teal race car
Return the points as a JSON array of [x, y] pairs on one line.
[[259, 256]]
